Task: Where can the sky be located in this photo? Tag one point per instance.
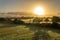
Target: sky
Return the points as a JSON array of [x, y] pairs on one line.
[[51, 7]]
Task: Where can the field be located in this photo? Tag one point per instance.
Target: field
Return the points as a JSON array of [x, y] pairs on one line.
[[27, 32]]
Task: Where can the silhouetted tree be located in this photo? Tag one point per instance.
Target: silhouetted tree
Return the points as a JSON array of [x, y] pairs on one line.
[[2, 19], [16, 21], [55, 21], [37, 20], [46, 20]]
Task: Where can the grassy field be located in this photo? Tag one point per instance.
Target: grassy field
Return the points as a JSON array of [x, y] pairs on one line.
[[27, 32]]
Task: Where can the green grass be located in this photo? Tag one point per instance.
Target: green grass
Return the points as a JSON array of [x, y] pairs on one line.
[[25, 32], [15, 33]]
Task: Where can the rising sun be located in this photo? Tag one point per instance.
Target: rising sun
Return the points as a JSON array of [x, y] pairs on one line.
[[39, 11]]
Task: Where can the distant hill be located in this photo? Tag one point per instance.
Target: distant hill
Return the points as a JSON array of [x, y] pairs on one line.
[[16, 14]]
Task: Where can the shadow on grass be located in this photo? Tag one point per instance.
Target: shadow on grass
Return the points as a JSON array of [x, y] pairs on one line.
[[41, 35], [55, 27], [40, 32]]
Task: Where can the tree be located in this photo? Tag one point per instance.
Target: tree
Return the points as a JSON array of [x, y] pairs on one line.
[[2, 19], [46, 20], [16, 21], [55, 19], [37, 20]]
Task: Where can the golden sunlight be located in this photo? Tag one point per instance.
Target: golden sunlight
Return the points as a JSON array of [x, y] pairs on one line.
[[39, 11]]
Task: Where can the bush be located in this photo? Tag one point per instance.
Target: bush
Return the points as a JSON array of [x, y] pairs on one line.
[[18, 21], [55, 25]]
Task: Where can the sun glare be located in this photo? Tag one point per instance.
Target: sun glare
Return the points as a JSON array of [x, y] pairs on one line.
[[39, 11]]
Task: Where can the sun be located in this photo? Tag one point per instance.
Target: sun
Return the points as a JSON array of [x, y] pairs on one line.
[[39, 11]]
